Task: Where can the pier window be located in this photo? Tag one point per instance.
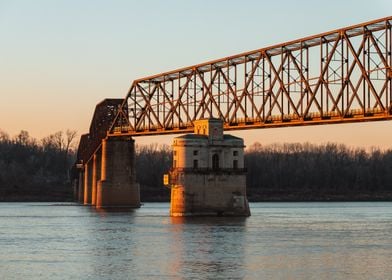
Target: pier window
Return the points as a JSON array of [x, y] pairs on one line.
[[195, 164], [235, 164], [235, 153], [195, 152]]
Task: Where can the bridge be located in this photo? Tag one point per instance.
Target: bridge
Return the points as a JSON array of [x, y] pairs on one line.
[[339, 76]]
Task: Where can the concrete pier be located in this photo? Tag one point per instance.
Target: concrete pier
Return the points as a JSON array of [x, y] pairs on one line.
[[80, 191], [88, 168], [117, 186], [108, 179], [94, 181]]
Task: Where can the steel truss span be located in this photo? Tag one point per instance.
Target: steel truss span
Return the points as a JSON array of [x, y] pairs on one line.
[[338, 76]]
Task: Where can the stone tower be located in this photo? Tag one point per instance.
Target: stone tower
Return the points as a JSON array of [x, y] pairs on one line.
[[208, 176]]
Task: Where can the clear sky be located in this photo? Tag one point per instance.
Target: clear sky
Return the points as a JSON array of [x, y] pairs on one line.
[[58, 59]]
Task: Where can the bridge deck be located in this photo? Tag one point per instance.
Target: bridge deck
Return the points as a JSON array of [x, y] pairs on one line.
[[274, 121]]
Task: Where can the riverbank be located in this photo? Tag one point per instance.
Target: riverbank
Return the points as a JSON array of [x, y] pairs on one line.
[[306, 196], [62, 193], [65, 194]]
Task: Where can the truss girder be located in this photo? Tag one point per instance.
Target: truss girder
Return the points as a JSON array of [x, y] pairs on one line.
[[334, 76]]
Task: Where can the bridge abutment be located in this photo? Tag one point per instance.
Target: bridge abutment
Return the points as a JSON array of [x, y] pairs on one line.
[[117, 186]]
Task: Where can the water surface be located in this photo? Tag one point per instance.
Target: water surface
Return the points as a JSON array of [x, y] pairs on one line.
[[279, 241]]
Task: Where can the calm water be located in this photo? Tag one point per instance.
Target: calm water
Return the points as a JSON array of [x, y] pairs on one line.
[[279, 241]]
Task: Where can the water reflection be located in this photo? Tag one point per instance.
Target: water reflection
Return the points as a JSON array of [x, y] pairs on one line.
[[104, 212], [211, 246], [228, 221], [111, 244]]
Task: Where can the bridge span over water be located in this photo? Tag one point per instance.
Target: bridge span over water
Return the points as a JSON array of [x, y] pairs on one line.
[[339, 76]]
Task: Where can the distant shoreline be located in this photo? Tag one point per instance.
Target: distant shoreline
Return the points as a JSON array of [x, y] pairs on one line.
[[298, 197]]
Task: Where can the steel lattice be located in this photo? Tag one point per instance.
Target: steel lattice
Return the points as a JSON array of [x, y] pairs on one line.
[[339, 76]]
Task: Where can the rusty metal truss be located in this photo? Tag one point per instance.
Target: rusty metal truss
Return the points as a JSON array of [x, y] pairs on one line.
[[104, 115], [338, 76]]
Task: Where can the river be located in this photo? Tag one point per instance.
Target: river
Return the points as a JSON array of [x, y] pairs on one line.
[[279, 241]]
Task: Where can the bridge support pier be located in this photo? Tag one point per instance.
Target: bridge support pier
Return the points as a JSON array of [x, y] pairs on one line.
[[97, 159], [117, 186], [80, 191], [94, 181], [88, 168]]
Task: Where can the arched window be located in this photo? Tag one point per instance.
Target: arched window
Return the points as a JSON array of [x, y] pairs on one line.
[[215, 162]]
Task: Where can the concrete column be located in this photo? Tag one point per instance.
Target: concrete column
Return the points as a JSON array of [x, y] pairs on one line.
[[96, 177], [94, 181], [88, 168], [103, 159], [98, 202], [75, 189], [118, 187], [81, 187]]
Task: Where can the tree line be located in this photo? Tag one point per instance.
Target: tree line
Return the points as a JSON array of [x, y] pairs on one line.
[[152, 161], [318, 172], [32, 169], [289, 172]]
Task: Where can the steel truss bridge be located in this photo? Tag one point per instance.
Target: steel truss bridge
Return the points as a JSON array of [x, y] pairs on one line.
[[339, 76]]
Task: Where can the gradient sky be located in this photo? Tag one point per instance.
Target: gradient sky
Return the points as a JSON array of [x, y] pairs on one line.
[[58, 59]]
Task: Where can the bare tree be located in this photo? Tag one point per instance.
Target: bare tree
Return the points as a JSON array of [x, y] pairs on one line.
[[22, 138], [59, 140], [4, 137], [70, 136]]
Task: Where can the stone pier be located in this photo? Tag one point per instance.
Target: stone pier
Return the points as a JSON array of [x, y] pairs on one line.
[[80, 191], [88, 168], [117, 186], [108, 178]]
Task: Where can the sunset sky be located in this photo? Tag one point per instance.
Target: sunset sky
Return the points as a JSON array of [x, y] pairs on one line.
[[58, 59]]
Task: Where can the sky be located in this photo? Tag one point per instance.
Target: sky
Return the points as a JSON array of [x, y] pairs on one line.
[[59, 58]]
